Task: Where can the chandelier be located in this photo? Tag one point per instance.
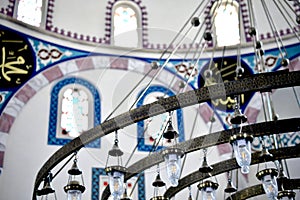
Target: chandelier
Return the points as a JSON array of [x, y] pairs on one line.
[[240, 134]]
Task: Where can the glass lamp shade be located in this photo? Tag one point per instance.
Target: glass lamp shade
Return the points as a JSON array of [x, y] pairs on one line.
[[116, 180], [269, 182], [172, 158], [208, 190], [241, 144]]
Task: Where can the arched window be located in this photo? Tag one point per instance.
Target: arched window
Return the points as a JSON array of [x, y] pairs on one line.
[[75, 108], [151, 128], [226, 22], [74, 111], [30, 11], [125, 25]]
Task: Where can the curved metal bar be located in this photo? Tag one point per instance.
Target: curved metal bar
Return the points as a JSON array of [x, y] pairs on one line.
[[255, 190], [259, 129], [227, 165], [257, 82]]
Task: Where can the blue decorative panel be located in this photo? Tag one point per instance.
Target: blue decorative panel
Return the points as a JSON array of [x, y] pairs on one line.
[[100, 181], [285, 139], [142, 146], [52, 136]]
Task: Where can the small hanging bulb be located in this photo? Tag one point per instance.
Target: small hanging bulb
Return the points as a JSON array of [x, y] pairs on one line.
[[172, 158], [116, 180], [75, 187], [242, 149], [269, 182], [117, 172]]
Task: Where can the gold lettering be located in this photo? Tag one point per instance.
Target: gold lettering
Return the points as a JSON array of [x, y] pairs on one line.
[[9, 65], [24, 48], [28, 66], [18, 81], [13, 41]]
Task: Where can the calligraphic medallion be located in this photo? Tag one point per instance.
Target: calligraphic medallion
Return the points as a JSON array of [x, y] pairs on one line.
[[17, 61], [222, 70]]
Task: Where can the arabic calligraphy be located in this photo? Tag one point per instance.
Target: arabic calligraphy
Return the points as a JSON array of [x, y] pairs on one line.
[[222, 70], [9, 68], [17, 60]]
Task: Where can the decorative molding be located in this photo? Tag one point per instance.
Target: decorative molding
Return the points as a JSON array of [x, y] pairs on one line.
[[259, 82]]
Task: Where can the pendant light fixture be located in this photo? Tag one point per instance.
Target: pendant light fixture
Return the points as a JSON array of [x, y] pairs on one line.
[[116, 172], [172, 158], [241, 142], [157, 184], [47, 191], [269, 182], [75, 186]]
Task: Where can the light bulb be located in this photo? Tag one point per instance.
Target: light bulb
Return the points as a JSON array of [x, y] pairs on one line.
[[116, 184], [173, 168], [270, 186], [242, 151]]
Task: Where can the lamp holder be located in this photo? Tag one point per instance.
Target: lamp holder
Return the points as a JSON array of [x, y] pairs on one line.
[[159, 198], [74, 185], [286, 193], [176, 151], [238, 136], [207, 184], [270, 171], [115, 168], [170, 133], [158, 182], [74, 169]]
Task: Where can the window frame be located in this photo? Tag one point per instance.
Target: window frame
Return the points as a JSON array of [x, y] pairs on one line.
[[43, 14], [138, 13], [55, 109]]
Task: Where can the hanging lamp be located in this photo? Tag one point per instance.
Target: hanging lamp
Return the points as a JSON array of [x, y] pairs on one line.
[[241, 144], [269, 182], [116, 172], [172, 158], [47, 191], [157, 184], [75, 186]]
